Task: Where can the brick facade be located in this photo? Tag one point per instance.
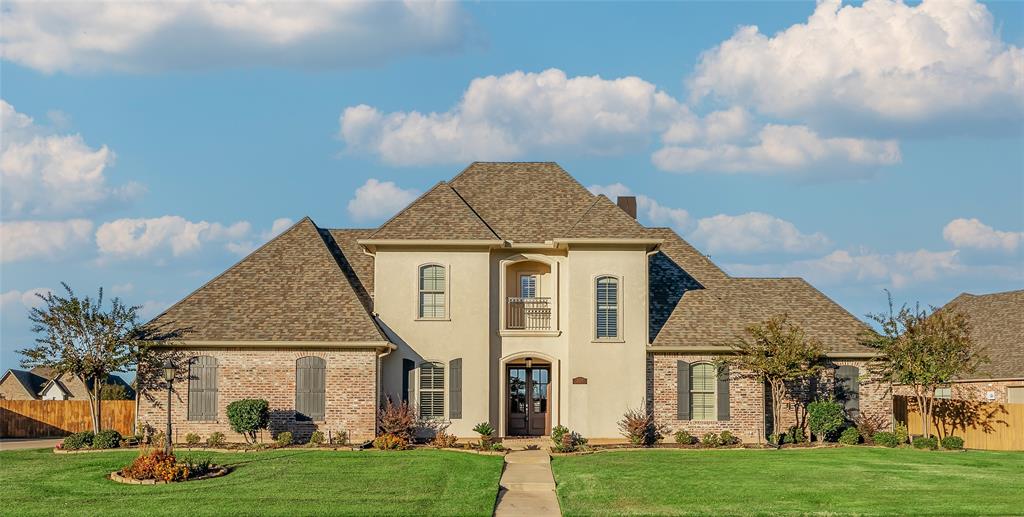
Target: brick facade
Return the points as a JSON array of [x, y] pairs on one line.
[[875, 396], [269, 374], [973, 390]]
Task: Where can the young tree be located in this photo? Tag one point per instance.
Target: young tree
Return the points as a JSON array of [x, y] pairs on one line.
[[77, 336], [923, 351], [154, 346], [778, 352]]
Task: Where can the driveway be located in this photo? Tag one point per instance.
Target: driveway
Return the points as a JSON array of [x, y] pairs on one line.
[[13, 444]]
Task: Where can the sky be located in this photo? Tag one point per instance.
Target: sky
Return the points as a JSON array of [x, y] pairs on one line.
[[865, 147]]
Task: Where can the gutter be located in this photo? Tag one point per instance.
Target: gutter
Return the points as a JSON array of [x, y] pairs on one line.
[[726, 350], [378, 345]]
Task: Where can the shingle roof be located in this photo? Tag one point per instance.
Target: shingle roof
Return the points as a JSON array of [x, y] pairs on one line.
[[32, 382], [524, 201], [695, 263], [290, 289], [604, 219], [439, 214], [352, 253], [997, 327]]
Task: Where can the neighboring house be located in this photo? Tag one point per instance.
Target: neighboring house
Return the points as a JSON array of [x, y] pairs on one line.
[[509, 294], [40, 384], [997, 328]]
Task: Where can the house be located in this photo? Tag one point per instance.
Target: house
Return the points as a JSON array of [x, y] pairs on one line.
[[41, 383], [509, 294]]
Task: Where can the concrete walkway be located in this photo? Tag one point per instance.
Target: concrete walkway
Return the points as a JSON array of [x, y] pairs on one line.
[[12, 444], [527, 485]]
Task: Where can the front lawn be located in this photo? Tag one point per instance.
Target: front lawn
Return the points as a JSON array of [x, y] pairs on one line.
[[287, 482], [843, 481]]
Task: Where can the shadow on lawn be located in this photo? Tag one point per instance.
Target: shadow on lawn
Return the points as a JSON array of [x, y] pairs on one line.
[[237, 464]]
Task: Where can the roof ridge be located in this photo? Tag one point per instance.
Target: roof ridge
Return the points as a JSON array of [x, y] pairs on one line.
[[471, 209], [407, 207], [349, 276], [584, 214]]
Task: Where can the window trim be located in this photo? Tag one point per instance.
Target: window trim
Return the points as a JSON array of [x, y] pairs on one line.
[[619, 337], [949, 392], [420, 390], [713, 392], [418, 292]]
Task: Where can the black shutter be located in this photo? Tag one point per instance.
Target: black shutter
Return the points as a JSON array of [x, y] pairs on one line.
[[723, 392], [848, 386], [408, 381], [682, 390], [455, 388]]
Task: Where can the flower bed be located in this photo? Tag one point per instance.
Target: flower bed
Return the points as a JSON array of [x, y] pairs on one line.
[[215, 472], [155, 466]]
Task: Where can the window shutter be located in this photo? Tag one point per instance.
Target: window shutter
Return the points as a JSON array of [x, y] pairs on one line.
[[723, 392], [455, 388], [409, 381], [682, 390], [848, 384], [202, 388], [310, 388]]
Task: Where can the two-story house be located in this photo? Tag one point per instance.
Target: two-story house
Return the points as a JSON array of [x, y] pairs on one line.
[[509, 294]]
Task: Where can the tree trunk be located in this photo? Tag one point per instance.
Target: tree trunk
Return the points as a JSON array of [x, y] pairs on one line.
[[922, 406], [93, 409], [777, 393]]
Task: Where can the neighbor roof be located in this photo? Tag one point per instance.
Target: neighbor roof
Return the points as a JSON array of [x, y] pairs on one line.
[[997, 327], [30, 381], [293, 288]]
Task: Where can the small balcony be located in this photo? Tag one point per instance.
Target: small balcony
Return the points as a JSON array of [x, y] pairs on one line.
[[528, 313]]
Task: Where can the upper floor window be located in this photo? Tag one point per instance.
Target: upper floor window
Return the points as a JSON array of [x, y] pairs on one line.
[[431, 390], [607, 308], [703, 379], [528, 285], [432, 286]]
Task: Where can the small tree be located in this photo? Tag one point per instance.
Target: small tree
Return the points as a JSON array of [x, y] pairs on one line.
[[777, 352], [922, 350], [249, 416], [825, 417]]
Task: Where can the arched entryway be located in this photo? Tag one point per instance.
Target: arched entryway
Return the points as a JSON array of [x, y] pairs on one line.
[[529, 390]]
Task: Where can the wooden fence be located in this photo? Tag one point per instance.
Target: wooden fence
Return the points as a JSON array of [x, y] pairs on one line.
[[42, 418], [982, 425]]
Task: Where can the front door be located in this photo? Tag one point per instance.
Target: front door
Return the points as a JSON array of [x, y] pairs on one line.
[[528, 393]]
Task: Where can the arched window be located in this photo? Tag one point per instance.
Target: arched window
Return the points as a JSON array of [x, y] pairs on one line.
[[432, 390], [310, 388], [432, 286], [606, 319], [202, 388], [703, 378]]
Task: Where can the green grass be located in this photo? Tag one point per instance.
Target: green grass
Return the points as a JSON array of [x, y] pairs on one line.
[[837, 481], [292, 482]]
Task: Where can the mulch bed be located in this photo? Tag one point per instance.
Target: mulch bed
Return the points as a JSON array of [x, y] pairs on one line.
[[215, 472]]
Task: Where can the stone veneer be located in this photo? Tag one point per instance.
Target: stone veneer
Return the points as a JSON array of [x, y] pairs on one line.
[[270, 374]]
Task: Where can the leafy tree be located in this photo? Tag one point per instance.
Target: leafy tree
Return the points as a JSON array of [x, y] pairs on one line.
[[114, 392], [923, 350], [153, 347], [825, 417], [249, 416], [777, 352]]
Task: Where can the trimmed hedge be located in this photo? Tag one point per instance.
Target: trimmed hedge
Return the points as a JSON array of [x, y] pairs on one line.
[[886, 439], [953, 443], [107, 439], [78, 441], [926, 443], [851, 436], [248, 416]]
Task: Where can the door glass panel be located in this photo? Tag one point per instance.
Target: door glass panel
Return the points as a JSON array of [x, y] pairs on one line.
[[540, 391], [517, 390]]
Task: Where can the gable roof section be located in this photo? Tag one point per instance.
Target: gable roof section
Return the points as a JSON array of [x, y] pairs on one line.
[[997, 327], [29, 381], [695, 263], [525, 202], [604, 219], [290, 289], [439, 214], [352, 253], [718, 315]]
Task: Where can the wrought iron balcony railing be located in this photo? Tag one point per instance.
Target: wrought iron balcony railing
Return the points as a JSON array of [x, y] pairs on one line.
[[528, 314]]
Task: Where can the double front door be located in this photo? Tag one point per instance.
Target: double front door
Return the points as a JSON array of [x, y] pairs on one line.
[[529, 390]]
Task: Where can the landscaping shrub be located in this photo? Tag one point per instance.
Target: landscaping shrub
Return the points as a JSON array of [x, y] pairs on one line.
[[850, 436], [283, 439], [711, 440], [825, 417], [317, 438], [249, 416], [868, 425], [78, 441], [684, 437], [397, 420], [485, 430], [443, 440], [158, 439], [106, 439], [639, 427], [192, 439], [901, 433], [566, 440], [216, 439], [727, 438], [885, 439], [926, 443], [339, 438], [197, 465], [952, 443], [389, 442], [794, 435]]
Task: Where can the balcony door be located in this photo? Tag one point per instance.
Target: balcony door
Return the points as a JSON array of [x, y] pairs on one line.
[[529, 391]]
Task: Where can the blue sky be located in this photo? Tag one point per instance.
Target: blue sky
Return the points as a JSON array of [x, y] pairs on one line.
[[864, 147]]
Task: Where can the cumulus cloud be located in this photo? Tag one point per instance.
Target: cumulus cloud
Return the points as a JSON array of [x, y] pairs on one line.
[[24, 240], [156, 36], [244, 247], [133, 238], [13, 299], [648, 209], [508, 116], [842, 266], [50, 174], [754, 232], [376, 199], [884, 62], [972, 233]]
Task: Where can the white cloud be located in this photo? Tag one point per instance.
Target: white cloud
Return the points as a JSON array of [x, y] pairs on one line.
[[128, 238], [779, 148], [48, 174], [13, 299], [843, 267], [124, 288], [510, 116], [376, 200], [648, 210], [279, 225], [883, 62], [754, 232], [972, 233], [24, 240], [155, 36]]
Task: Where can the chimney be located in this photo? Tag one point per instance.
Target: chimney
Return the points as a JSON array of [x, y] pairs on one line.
[[628, 203]]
